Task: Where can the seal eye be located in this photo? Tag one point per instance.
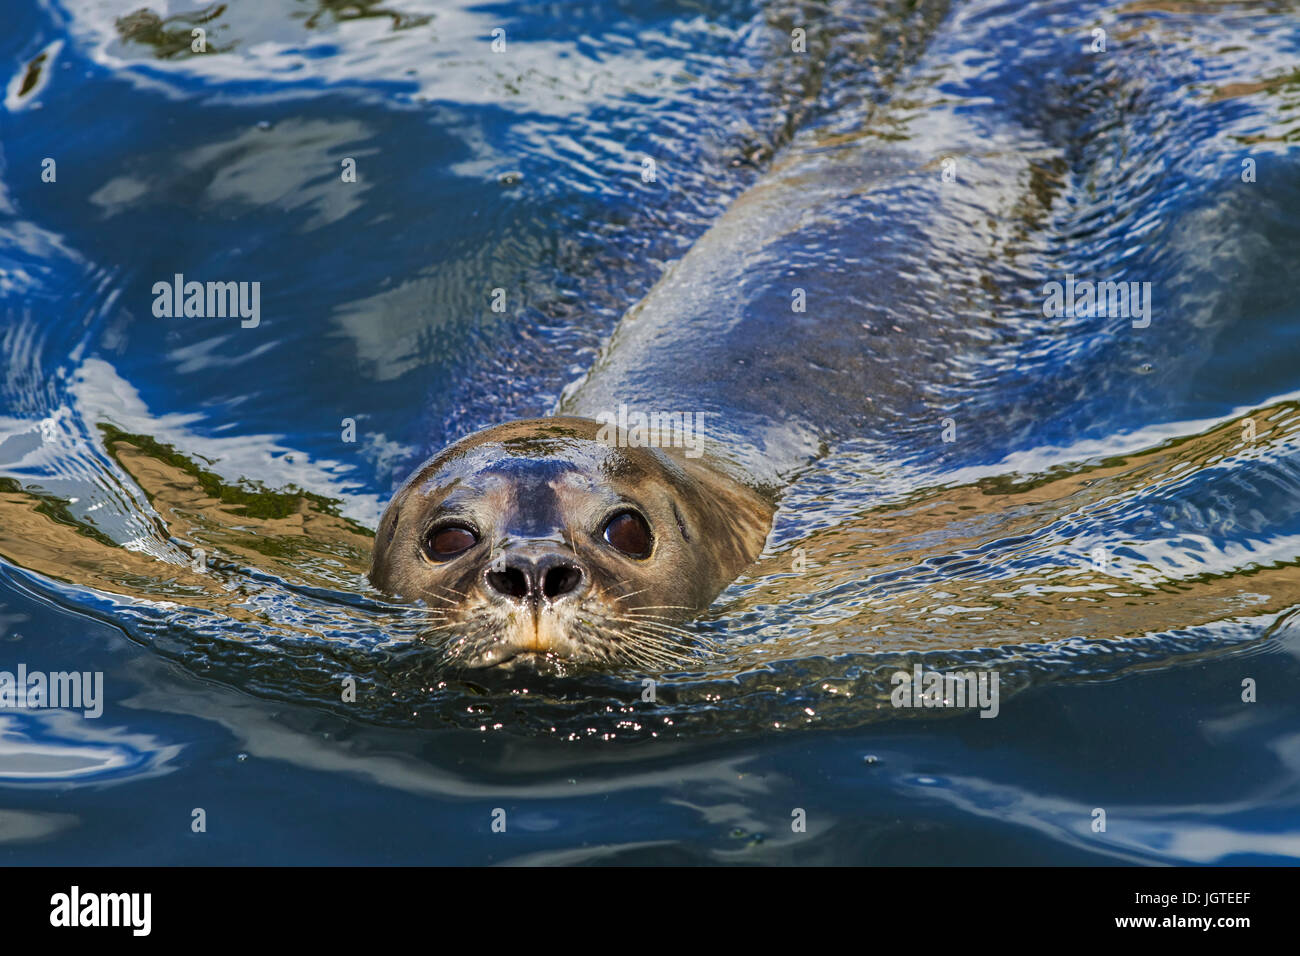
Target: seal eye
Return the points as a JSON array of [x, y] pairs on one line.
[[628, 532], [444, 543]]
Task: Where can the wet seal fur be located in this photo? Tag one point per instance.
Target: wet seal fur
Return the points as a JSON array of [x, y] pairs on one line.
[[844, 218], [505, 536]]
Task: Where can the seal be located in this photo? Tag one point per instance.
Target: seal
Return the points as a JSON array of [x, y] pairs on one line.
[[550, 542], [842, 303]]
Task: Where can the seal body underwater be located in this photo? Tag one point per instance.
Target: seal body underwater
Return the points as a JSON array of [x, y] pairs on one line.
[[557, 541], [552, 541], [846, 296]]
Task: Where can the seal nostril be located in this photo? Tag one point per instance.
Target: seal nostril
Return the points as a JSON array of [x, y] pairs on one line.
[[561, 580], [511, 582]]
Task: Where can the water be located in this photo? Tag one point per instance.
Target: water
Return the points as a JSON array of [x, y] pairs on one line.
[[1113, 530]]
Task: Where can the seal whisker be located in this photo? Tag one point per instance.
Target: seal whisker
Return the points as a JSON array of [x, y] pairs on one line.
[[671, 621], [657, 627], [624, 597], [653, 637], [697, 644], [450, 590], [649, 649]]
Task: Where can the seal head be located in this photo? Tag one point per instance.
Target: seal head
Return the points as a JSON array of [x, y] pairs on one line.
[[538, 543]]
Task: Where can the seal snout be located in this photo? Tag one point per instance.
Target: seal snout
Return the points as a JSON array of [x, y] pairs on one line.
[[525, 576]]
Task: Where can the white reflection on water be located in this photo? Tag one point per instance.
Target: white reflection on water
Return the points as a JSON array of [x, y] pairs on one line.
[[44, 748]]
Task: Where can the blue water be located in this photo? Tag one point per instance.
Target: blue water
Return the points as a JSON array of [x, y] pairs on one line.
[[130, 443]]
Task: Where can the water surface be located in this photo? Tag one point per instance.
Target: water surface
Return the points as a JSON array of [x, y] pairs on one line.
[[1113, 529]]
